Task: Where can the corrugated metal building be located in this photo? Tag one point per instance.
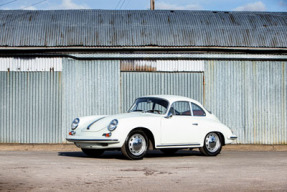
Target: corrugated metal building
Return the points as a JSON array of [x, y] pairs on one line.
[[57, 65]]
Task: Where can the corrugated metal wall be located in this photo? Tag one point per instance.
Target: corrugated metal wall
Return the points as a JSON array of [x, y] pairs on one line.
[[30, 107], [37, 104], [250, 97], [135, 84], [89, 88]]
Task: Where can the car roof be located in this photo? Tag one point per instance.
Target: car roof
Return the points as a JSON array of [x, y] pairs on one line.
[[172, 98]]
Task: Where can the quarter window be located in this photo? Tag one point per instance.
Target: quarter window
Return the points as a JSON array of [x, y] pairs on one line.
[[197, 111], [180, 108]]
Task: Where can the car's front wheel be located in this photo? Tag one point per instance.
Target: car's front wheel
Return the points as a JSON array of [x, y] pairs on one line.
[[212, 144], [136, 145], [93, 152]]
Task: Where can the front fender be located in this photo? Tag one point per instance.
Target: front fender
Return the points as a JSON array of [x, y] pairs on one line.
[[125, 126]]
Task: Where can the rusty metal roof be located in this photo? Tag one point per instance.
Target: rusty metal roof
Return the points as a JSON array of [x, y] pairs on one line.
[[160, 28]]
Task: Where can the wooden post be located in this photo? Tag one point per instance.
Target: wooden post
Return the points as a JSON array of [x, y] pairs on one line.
[[151, 4]]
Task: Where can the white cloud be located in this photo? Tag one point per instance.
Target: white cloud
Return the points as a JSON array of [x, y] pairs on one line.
[[162, 5], [69, 4], [256, 6]]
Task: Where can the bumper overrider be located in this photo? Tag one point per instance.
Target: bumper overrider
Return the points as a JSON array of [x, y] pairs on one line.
[[233, 137]]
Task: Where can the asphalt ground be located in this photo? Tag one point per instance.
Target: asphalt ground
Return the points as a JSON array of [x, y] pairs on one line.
[[72, 147], [184, 171]]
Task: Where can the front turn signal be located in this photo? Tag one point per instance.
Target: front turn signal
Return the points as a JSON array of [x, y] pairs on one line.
[[72, 133]]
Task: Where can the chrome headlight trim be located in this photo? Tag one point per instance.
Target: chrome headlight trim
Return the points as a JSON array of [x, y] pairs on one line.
[[75, 123], [113, 125]]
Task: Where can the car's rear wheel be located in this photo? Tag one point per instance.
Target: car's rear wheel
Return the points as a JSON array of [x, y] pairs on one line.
[[136, 145], [93, 152], [212, 144], [169, 151]]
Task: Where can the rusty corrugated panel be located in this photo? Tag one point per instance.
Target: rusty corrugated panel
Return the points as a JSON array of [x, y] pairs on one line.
[[250, 97], [135, 84], [142, 28], [162, 65], [139, 65], [90, 87]]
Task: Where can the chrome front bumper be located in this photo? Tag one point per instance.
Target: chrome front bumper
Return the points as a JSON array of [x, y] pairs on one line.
[[77, 140]]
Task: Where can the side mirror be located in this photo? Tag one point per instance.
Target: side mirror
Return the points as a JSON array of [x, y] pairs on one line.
[[169, 115]]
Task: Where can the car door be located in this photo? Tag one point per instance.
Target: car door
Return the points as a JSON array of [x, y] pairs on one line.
[[181, 128]]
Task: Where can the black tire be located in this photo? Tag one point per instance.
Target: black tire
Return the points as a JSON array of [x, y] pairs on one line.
[[212, 144], [136, 145], [169, 151], [93, 152]]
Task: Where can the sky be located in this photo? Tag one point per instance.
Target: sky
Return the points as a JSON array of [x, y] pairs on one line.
[[214, 5]]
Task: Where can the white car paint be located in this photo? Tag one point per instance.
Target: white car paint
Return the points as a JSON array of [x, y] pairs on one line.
[[173, 132]]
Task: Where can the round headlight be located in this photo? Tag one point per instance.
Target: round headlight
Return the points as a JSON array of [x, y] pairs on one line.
[[113, 125], [75, 123]]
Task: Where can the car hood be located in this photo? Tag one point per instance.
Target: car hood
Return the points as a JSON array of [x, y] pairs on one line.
[[102, 122]]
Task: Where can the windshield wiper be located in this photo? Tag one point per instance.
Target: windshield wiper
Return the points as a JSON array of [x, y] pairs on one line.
[[137, 110]]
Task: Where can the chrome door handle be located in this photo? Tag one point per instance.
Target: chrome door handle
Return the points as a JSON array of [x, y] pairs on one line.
[[195, 124]]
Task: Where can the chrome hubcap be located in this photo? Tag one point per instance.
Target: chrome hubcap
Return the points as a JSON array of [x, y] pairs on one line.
[[137, 144], [212, 142]]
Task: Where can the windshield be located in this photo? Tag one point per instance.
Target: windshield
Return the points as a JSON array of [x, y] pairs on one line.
[[150, 105]]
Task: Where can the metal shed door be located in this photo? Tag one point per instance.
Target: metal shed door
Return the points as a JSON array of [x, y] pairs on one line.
[[135, 84], [30, 100]]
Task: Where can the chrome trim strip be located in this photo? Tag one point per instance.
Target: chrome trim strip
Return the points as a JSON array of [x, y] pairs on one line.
[[178, 145], [94, 140], [88, 128]]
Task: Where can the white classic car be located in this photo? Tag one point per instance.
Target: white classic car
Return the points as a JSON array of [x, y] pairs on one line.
[[164, 122]]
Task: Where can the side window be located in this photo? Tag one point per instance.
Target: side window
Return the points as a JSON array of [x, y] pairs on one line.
[[180, 108], [197, 111]]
